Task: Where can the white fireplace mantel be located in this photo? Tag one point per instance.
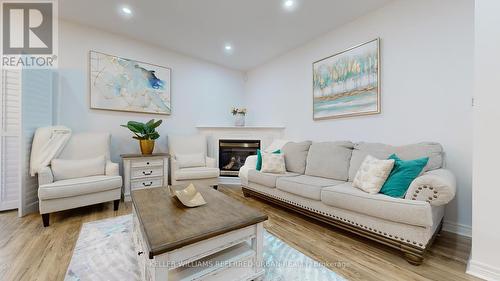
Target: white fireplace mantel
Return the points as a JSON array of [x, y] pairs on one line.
[[265, 134]]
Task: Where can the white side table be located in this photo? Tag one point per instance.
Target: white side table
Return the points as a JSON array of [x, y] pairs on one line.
[[144, 171]]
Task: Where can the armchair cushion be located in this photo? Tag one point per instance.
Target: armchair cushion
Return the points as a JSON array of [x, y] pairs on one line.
[[78, 186], [190, 160], [69, 169], [437, 187], [196, 173]]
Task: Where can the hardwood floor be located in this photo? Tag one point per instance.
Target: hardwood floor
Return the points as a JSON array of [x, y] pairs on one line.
[[29, 251]]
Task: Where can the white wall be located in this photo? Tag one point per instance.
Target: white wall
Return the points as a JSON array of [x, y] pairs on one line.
[[202, 93], [485, 258], [426, 78]]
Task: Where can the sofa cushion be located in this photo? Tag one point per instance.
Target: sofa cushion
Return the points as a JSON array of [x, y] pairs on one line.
[[64, 169], [190, 160], [196, 173], [329, 160], [346, 197], [78, 186], [266, 179], [406, 152], [305, 186], [296, 155]]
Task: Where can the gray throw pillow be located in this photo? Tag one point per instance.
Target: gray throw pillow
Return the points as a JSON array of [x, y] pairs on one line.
[[329, 160], [295, 156]]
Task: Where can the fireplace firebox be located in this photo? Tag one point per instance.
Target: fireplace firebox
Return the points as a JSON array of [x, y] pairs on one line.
[[233, 153]]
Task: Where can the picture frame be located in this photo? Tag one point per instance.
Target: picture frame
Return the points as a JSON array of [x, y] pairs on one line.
[[347, 83], [121, 84]]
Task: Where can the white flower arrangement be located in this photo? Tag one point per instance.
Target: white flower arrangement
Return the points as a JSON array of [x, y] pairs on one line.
[[235, 110]]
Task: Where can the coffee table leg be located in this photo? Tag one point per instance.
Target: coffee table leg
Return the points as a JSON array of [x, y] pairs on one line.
[[159, 271], [257, 246]]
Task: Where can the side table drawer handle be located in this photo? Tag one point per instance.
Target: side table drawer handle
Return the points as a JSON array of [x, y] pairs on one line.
[[140, 253], [147, 184], [146, 173]]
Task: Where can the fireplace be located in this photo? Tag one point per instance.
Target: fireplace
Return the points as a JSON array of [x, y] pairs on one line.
[[233, 153]]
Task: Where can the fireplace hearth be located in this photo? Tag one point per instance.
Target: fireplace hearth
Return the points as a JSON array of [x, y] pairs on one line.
[[233, 153]]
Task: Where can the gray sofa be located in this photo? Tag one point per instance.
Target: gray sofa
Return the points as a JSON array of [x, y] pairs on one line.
[[318, 184]]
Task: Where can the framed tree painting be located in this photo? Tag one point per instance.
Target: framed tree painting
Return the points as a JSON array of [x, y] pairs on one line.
[[348, 83], [128, 85]]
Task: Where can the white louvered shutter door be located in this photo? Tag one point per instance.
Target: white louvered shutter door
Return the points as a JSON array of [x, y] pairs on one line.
[[10, 140]]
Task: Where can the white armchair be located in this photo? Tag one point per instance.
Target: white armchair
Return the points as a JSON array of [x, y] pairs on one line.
[[189, 162], [61, 190]]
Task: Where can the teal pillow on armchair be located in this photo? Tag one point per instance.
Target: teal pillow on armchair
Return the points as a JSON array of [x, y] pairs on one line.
[[259, 158], [402, 174]]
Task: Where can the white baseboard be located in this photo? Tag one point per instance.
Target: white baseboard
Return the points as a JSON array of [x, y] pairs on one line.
[[483, 271], [462, 229]]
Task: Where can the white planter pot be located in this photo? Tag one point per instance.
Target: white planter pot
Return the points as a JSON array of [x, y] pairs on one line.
[[239, 120]]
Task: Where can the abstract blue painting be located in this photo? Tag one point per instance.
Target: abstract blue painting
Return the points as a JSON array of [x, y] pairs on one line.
[[347, 83], [128, 85]]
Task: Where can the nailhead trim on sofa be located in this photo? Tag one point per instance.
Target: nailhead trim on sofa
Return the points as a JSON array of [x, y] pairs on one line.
[[420, 188], [421, 245]]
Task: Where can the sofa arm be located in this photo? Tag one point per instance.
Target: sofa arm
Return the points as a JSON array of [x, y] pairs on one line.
[[437, 187], [112, 169], [210, 162], [45, 176], [250, 164], [174, 166], [251, 161]]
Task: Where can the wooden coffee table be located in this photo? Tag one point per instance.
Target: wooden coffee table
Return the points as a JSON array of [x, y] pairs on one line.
[[221, 240]]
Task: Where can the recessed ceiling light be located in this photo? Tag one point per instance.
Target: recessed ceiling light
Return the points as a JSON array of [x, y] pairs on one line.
[[127, 11], [290, 5], [228, 48]]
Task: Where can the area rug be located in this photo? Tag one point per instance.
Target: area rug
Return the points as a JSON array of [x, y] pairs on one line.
[[105, 251]]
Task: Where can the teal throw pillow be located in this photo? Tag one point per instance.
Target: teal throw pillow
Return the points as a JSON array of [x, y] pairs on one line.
[[401, 176], [259, 158]]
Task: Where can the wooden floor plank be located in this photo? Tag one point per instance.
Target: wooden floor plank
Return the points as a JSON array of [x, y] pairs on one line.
[[29, 251]]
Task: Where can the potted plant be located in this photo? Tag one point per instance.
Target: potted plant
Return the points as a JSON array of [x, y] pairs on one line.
[[239, 116], [146, 134]]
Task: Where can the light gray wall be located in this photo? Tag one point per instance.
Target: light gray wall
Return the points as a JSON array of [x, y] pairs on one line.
[[202, 92], [426, 78]]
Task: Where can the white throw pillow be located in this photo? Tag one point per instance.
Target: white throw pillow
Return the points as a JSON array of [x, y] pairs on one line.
[[190, 160], [273, 163], [64, 169], [372, 174]]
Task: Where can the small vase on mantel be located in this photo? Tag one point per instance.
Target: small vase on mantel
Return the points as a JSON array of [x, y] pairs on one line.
[[239, 120], [239, 116]]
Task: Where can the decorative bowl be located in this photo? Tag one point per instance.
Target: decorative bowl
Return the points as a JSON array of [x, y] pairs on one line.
[[189, 196]]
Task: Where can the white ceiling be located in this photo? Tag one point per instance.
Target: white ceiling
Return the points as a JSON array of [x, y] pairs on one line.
[[258, 29]]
